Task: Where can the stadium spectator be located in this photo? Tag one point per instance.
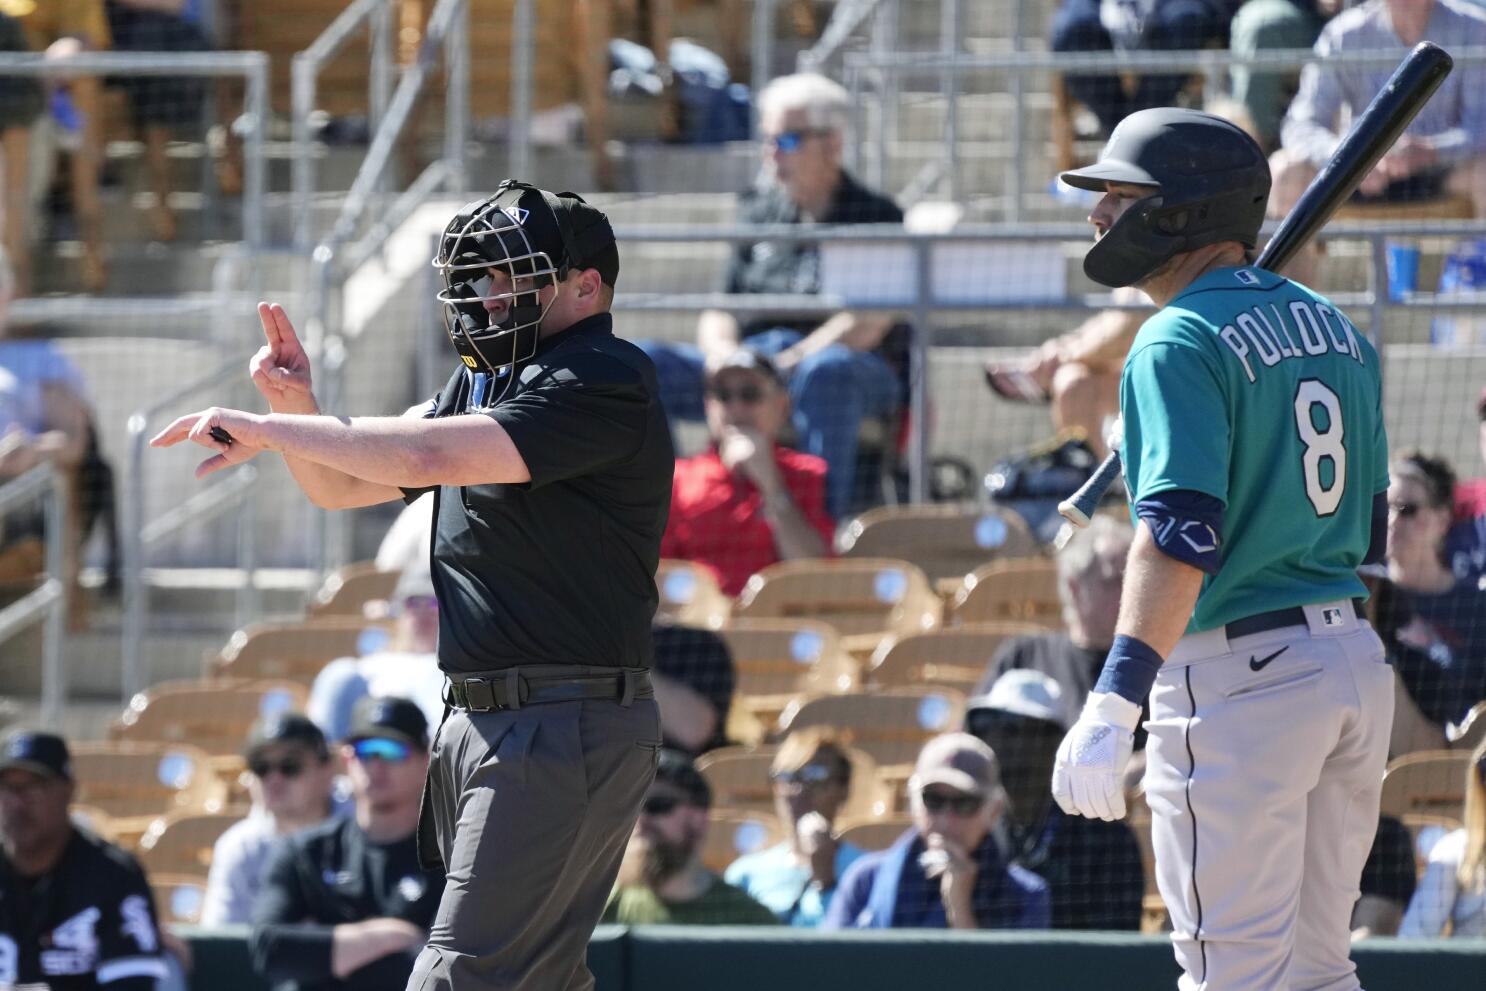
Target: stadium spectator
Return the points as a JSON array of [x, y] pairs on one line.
[[1451, 897], [747, 501], [406, 667], [75, 911], [61, 29], [1387, 883], [835, 370], [662, 879], [291, 774], [1444, 149], [1092, 867], [20, 105], [1126, 25], [346, 904], [796, 879], [1465, 544], [948, 871], [160, 104], [693, 677], [1440, 616], [1268, 25]]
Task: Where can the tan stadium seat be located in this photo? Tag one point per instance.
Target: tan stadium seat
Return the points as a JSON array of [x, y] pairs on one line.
[[135, 783], [94, 820], [1472, 731], [891, 726], [181, 843], [212, 715], [349, 590], [1431, 782], [739, 778], [1020, 590], [863, 598], [292, 650], [776, 660], [875, 834], [731, 833], [954, 657], [179, 898], [946, 541], [689, 595]]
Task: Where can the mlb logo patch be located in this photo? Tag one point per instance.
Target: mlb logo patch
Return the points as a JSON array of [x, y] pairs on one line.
[[1246, 277], [1331, 617]]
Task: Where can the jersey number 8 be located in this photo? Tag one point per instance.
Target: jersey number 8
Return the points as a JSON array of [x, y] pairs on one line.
[[1323, 446]]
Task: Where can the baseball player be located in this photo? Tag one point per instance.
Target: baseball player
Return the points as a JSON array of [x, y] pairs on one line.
[[1256, 462], [550, 461]]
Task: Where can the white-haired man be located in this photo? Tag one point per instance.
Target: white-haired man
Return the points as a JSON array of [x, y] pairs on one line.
[[835, 369]]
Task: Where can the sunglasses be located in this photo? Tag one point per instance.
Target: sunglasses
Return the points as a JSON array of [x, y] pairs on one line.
[[660, 805], [790, 141], [288, 767], [960, 805], [749, 395], [381, 748], [1404, 509], [809, 776]]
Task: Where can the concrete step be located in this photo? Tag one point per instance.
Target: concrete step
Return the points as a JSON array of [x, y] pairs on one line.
[[982, 116]]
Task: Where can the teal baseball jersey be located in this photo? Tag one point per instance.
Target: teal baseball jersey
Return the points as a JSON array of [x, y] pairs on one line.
[[1254, 390]]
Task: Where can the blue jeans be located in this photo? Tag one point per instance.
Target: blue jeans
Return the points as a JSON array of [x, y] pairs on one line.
[[831, 392]]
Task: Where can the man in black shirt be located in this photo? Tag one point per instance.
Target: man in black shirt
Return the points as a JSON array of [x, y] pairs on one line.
[[346, 905], [550, 459], [836, 372], [75, 912]]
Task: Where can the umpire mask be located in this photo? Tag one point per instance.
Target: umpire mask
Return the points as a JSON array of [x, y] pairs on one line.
[[527, 236], [1208, 180]]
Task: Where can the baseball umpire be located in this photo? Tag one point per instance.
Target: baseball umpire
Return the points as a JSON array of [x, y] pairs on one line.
[[551, 462], [1256, 463]]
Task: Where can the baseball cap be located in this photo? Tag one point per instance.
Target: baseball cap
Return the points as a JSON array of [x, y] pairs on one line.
[[677, 770], [959, 761], [1026, 693], [40, 753], [543, 216], [286, 727], [748, 360], [391, 717], [697, 658]]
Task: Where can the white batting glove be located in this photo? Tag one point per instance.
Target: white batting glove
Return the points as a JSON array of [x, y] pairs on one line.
[[1089, 775]]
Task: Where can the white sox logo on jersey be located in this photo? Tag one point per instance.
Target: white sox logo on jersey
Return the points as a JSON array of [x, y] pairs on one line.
[[72, 947]]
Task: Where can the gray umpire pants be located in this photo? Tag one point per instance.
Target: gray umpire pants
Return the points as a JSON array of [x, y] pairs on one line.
[[1264, 769], [530, 810]]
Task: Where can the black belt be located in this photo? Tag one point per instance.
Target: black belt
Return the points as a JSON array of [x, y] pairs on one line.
[[510, 689], [1275, 619]]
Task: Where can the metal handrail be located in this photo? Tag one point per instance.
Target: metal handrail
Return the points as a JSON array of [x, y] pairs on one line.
[[51, 597]]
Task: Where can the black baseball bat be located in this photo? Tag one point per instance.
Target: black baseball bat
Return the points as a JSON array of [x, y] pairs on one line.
[[1372, 134]]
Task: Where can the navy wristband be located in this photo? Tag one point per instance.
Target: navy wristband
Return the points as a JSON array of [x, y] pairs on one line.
[[1130, 670]]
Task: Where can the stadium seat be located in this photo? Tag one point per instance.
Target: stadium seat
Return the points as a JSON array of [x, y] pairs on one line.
[[875, 834], [1424, 832], [1024, 590], [1428, 783], [955, 657], [179, 898], [181, 843], [891, 726], [689, 595], [863, 598], [739, 778], [778, 659], [731, 833], [945, 540], [1472, 730], [94, 820], [349, 590], [214, 716], [294, 650], [135, 783]]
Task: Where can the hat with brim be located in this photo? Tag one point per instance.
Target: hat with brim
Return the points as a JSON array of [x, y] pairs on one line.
[[959, 761], [35, 752], [391, 718]]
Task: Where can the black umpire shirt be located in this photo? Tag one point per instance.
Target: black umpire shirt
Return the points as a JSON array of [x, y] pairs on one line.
[[88, 923], [561, 569], [326, 876], [785, 267]]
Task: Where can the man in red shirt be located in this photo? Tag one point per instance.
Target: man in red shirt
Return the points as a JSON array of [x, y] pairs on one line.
[[747, 502]]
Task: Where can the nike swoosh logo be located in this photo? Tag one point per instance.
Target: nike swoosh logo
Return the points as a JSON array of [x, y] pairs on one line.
[[1256, 664]]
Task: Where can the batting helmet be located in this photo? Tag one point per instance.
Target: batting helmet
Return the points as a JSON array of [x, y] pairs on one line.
[[531, 235], [1210, 183]]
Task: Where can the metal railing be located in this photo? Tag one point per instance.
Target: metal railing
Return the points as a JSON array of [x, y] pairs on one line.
[[883, 72], [50, 598], [137, 535]]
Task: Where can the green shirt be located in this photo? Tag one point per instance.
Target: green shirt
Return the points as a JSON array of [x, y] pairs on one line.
[[1254, 390], [720, 905]]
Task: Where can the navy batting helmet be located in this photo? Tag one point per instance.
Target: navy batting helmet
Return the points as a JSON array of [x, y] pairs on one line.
[[1209, 182]]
